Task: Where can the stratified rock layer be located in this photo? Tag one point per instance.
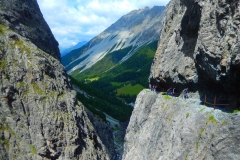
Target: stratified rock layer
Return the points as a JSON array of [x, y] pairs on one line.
[[199, 47], [167, 128], [40, 117]]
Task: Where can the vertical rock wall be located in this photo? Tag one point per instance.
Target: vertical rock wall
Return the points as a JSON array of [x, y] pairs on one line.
[[199, 48], [40, 117], [24, 17]]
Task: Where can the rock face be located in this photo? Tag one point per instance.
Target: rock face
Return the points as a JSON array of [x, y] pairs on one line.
[[24, 17], [200, 48], [40, 117], [167, 128], [133, 30]]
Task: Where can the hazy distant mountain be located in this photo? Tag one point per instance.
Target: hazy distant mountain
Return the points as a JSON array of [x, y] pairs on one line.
[[129, 33], [65, 51]]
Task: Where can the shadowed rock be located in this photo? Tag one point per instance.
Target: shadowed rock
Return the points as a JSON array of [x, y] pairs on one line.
[[199, 48]]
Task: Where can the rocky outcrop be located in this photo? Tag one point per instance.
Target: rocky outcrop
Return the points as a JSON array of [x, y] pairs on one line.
[[40, 117], [103, 129], [169, 128], [200, 48], [24, 17]]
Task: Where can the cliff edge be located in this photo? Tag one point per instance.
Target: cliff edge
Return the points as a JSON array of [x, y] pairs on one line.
[[170, 128]]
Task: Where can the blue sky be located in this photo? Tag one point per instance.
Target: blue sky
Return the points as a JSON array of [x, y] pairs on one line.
[[73, 21]]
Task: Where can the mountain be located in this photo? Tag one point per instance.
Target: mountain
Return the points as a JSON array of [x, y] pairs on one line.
[[199, 50], [40, 117], [113, 93], [129, 33], [65, 51]]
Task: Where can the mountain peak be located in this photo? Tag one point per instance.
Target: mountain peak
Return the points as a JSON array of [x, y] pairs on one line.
[[135, 29]]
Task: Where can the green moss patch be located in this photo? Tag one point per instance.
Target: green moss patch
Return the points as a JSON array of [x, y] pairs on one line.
[[6, 144], [37, 89], [236, 111], [33, 149], [202, 109], [199, 137], [2, 64], [211, 119], [166, 97]]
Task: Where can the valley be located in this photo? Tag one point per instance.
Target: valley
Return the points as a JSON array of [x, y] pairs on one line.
[[94, 102]]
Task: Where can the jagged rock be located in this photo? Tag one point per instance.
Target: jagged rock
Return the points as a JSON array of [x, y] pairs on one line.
[[169, 128], [104, 132], [40, 117], [27, 20], [199, 48]]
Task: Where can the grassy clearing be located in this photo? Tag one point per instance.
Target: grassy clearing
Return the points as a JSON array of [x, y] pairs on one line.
[[93, 79], [129, 89]]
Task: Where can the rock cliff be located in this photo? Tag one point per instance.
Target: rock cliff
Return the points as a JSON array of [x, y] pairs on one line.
[[200, 49], [24, 17], [169, 128], [40, 117]]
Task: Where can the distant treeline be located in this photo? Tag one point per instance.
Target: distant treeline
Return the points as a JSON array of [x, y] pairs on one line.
[[103, 102], [133, 71]]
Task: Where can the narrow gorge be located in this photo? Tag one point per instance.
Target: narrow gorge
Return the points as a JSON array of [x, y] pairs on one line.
[[198, 49]]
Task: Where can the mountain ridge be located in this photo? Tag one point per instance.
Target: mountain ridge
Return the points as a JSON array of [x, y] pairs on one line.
[[125, 32], [69, 49]]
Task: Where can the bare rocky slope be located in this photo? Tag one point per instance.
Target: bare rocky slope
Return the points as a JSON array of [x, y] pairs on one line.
[[40, 117], [132, 31], [169, 128], [200, 49]]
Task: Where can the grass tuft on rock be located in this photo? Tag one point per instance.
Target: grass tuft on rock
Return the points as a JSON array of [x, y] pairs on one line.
[[236, 111], [33, 149], [166, 97], [212, 119]]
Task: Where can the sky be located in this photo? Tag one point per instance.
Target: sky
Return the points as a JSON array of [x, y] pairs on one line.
[[73, 21]]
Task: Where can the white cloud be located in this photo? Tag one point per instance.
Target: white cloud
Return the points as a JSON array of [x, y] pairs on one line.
[[72, 21]]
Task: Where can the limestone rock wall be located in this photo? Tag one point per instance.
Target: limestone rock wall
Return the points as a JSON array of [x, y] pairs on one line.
[[167, 128], [24, 17], [40, 117], [199, 47]]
